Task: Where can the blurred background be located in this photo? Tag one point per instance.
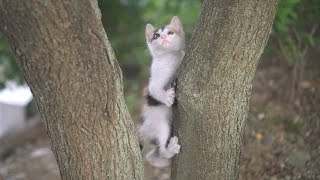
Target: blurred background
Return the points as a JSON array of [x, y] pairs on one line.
[[282, 133]]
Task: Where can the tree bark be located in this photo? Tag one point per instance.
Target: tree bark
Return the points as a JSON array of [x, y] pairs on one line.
[[67, 60], [214, 84]]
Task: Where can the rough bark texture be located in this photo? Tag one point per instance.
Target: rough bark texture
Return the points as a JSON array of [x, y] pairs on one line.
[[214, 86], [67, 60]]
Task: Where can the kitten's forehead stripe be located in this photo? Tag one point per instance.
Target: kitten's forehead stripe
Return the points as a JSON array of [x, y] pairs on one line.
[[157, 30]]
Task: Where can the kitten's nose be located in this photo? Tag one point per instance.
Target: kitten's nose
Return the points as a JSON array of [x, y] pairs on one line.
[[163, 36]]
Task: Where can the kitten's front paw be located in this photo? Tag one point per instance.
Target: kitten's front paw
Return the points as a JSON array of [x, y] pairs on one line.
[[169, 98], [173, 145]]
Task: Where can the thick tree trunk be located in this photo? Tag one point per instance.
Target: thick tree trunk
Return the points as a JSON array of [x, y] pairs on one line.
[[214, 86], [67, 60]]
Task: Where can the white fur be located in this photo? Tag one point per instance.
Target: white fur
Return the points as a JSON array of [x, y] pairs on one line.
[[156, 120], [166, 58], [157, 124], [167, 54], [163, 69]]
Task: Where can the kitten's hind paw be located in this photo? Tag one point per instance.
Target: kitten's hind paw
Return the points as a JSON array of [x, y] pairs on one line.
[[169, 99], [154, 160], [173, 145]]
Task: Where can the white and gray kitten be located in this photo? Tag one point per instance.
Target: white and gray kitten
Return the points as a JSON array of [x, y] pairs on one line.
[[166, 45]]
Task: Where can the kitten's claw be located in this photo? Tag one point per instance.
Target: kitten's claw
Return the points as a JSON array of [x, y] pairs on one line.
[[173, 145], [169, 99]]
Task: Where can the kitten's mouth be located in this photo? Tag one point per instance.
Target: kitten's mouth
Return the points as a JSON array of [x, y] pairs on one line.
[[165, 41]]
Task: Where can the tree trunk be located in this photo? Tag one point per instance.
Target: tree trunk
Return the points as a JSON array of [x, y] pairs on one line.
[[67, 60], [214, 85]]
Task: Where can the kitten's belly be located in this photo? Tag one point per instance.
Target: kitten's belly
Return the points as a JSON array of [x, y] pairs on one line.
[[156, 121]]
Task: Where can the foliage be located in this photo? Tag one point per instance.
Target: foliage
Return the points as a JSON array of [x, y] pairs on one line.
[[9, 69], [295, 28], [125, 21], [126, 29]]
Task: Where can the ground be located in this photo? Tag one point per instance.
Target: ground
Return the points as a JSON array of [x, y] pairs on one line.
[[282, 134], [281, 139]]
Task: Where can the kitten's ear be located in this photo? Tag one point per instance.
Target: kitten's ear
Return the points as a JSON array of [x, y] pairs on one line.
[[176, 24], [149, 31]]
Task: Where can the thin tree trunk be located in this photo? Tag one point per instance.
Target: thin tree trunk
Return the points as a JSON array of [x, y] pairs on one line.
[[214, 86], [68, 62]]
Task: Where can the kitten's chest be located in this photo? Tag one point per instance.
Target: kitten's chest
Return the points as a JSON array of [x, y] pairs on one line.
[[162, 68], [165, 66]]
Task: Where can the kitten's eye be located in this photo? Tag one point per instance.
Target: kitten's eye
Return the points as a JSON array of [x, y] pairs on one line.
[[156, 36], [170, 33]]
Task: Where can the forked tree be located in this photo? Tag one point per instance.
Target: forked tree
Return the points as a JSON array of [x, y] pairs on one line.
[[68, 62]]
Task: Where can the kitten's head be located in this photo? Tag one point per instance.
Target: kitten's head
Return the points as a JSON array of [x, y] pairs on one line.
[[165, 39]]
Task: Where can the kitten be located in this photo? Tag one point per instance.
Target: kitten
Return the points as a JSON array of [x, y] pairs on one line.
[[166, 45]]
